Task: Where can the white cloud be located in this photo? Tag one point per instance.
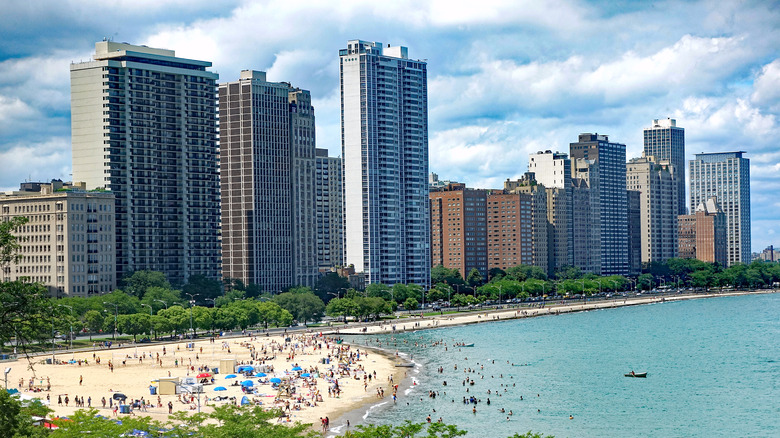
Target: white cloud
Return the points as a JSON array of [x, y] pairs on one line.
[[51, 157], [767, 86]]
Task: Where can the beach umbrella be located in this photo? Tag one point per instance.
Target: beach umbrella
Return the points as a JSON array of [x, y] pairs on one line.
[[231, 376], [305, 375], [203, 375], [247, 383], [243, 368], [297, 369], [119, 396], [261, 374], [244, 400], [220, 388], [275, 380]]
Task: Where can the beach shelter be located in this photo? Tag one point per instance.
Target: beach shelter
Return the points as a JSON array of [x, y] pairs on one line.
[[247, 383], [306, 375], [231, 376], [261, 374], [244, 400], [220, 388], [245, 368]]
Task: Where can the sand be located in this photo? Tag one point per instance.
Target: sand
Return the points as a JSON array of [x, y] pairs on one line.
[[132, 375]]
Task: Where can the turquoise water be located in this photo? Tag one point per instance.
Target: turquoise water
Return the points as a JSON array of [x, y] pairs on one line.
[[713, 364]]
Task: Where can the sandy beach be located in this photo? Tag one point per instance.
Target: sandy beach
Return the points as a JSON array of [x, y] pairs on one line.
[[135, 367]]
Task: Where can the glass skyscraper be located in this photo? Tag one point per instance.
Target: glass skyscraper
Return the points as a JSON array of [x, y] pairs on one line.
[[726, 175], [384, 140]]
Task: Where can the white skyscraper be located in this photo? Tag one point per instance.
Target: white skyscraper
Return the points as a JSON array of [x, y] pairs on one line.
[[725, 175], [384, 128], [144, 127]]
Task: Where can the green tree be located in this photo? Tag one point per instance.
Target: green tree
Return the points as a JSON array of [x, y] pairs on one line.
[[16, 417], [135, 324], [303, 306], [94, 322], [270, 312], [645, 282], [178, 318], [379, 290], [440, 274], [406, 430], [138, 282], [459, 300], [9, 242], [411, 304], [474, 278], [203, 286], [525, 272], [568, 273], [329, 285], [155, 294], [341, 307]]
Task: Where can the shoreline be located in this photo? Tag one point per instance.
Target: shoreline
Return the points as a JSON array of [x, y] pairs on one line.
[[414, 323]]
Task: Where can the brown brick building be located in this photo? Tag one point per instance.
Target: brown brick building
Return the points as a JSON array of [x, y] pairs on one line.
[[459, 228], [509, 229], [702, 235]]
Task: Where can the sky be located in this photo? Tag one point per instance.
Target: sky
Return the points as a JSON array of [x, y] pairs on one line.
[[505, 78]]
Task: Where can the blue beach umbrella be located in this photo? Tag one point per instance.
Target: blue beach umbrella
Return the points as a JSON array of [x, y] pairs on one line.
[[305, 375], [247, 383], [297, 369], [244, 400], [231, 376], [244, 368], [220, 388], [261, 374], [275, 380]]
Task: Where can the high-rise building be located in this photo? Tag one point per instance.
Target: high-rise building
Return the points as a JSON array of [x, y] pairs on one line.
[[656, 180], [553, 171], [384, 126], [634, 232], [538, 196], [144, 127], [703, 233], [725, 175], [267, 148], [459, 228], [585, 232], [330, 224], [67, 243], [666, 142], [435, 183], [605, 174], [509, 229]]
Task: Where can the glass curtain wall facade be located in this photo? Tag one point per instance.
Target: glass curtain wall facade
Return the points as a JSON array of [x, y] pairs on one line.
[[666, 141]]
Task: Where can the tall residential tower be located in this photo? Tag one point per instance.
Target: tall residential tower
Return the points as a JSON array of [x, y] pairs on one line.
[[602, 165], [666, 142], [384, 128], [144, 127], [725, 175], [268, 182]]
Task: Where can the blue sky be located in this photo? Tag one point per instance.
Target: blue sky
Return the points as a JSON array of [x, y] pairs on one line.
[[506, 78]]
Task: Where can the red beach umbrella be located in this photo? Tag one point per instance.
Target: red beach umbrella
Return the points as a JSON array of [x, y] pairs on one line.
[[203, 375]]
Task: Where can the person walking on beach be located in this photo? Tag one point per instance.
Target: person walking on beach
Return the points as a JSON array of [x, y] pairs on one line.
[[81, 380]]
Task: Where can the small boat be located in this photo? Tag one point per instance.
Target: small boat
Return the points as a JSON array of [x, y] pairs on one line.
[[405, 365], [467, 345], [633, 374]]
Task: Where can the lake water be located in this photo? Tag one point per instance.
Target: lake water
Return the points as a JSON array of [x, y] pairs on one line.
[[713, 370]]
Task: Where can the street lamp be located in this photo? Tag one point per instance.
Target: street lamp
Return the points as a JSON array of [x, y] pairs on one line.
[[71, 323], [7, 370], [164, 303], [116, 314], [213, 301], [192, 301], [583, 289]]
